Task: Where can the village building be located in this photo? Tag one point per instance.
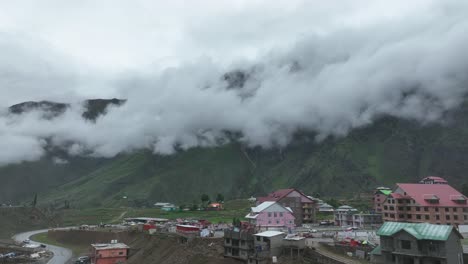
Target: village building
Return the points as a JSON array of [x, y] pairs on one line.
[[418, 244], [348, 216], [344, 215], [239, 243], [380, 195], [433, 180], [303, 207], [432, 201], [215, 207], [271, 215], [326, 208], [110, 253], [267, 245], [162, 204]]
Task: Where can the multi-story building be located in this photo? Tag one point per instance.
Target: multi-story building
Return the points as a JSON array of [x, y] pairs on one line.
[[344, 215], [347, 216], [271, 215], [303, 207], [418, 244], [363, 220], [267, 244], [380, 195], [436, 203], [112, 253], [239, 243]]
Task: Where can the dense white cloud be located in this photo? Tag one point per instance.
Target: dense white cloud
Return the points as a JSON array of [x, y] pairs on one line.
[[323, 67]]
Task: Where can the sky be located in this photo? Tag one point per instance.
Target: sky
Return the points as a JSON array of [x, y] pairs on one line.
[[321, 66]]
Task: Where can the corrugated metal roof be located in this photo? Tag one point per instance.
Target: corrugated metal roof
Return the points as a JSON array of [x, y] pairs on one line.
[[419, 231], [443, 191], [269, 233]]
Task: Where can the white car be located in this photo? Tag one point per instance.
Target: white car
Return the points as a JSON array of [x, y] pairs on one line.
[[27, 241]]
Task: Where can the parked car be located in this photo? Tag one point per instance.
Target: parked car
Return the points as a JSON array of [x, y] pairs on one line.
[[351, 228], [43, 246], [83, 260], [26, 241], [326, 223]]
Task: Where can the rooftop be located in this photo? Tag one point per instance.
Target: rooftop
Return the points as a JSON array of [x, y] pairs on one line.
[[419, 230], [109, 246], [269, 234], [434, 179], [444, 192], [281, 193]]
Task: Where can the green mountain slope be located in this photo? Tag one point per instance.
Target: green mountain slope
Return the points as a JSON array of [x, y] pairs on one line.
[[389, 151]]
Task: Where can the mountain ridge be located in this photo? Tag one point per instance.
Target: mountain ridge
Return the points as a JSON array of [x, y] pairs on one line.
[[387, 151]]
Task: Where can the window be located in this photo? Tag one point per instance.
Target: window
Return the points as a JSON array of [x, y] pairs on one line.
[[401, 216], [455, 217], [437, 209], [408, 216], [120, 253], [433, 247], [426, 209], [269, 214], [290, 221], [228, 240], [392, 215], [426, 217], [405, 244], [392, 208], [446, 209], [401, 208], [465, 217], [465, 210], [386, 214], [259, 238], [418, 217], [281, 214], [408, 208], [437, 217], [418, 209], [274, 214], [277, 222], [385, 207], [400, 201], [447, 217]]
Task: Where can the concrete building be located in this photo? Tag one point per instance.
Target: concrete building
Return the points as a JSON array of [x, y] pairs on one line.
[[409, 243], [347, 216], [344, 215], [239, 243], [112, 253], [433, 202], [303, 207], [380, 195], [363, 220], [267, 245], [271, 215]]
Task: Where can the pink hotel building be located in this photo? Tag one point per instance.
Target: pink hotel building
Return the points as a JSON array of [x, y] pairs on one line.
[[427, 201]]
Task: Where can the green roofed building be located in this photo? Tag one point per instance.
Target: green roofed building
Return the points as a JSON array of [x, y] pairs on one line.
[[380, 195], [418, 243]]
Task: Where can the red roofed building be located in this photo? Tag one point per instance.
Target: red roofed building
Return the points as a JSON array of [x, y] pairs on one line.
[[302, 206], [435, 203]]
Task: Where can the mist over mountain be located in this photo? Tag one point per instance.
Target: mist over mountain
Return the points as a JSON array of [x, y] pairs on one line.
[[245, 78]]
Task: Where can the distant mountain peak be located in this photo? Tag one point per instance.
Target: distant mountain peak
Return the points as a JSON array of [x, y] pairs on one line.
[[93, 107]]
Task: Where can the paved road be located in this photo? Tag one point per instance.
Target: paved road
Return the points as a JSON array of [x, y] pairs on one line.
[[61, 255]]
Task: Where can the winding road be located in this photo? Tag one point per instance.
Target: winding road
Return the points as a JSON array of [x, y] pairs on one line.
[[61, 255]]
